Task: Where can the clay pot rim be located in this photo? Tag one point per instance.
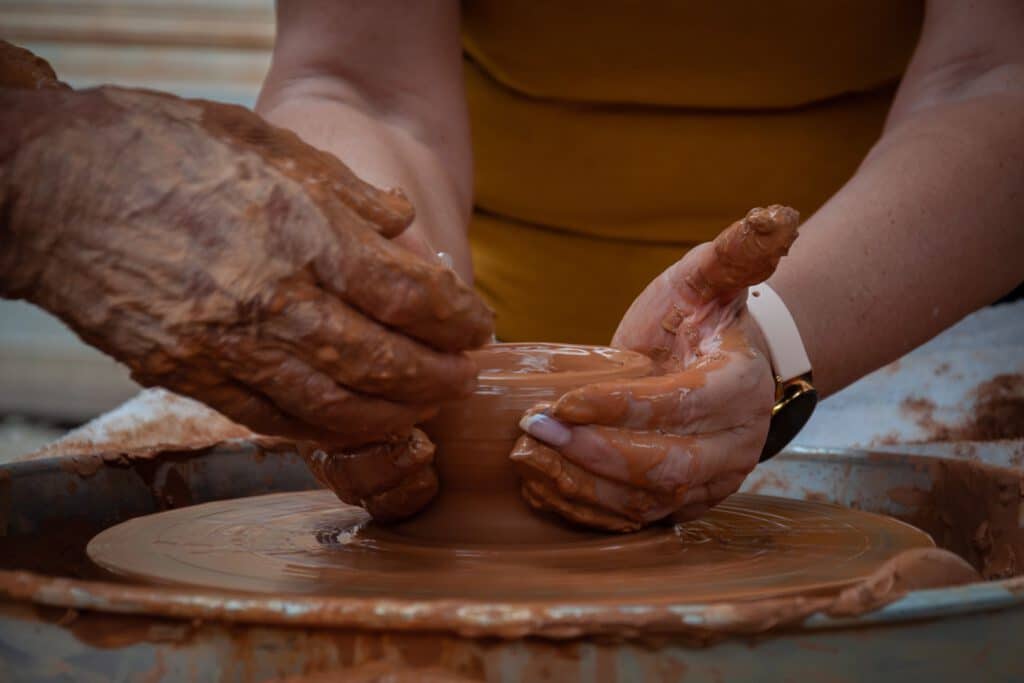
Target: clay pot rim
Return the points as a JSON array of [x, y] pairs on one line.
[[621, 363]]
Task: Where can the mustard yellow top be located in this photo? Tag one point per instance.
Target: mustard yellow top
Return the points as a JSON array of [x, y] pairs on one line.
[[610, 137]]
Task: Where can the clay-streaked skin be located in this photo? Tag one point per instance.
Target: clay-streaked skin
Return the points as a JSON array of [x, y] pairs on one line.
[[633, 452], [21, 69], [479, 501], [225, 259], [392, 480]]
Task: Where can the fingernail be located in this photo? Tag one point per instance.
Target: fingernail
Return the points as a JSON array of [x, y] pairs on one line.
[[548, 430]]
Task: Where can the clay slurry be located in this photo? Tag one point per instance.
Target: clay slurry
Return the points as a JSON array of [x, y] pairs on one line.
[[479, 500], [305, 543]]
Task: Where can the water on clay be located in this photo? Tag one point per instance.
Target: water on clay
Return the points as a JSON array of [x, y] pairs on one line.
[[307, 543], [478, 540]]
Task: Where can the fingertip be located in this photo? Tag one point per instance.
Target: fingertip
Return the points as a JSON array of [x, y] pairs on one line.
[[546, 429], [576, 407], [398, 212], [773, 218]]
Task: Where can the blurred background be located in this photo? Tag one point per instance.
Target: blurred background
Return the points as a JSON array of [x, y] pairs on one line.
[[214, 49]]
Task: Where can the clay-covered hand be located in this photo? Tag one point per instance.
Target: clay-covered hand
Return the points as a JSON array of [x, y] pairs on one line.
[[619, 455], [392, 480], [225, 259]]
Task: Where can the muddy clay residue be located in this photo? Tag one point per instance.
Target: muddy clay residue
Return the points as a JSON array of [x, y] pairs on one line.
[[149, 424], [306, 544], [917, 569], [380, 672], [998, 413], [479, 499], [973, 510], [699, 624], [988, 535]]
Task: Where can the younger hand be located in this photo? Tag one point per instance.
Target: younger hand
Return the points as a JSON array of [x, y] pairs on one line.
[[619, 455]]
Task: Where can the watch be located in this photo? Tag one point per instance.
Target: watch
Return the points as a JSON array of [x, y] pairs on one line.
[[795, 395]]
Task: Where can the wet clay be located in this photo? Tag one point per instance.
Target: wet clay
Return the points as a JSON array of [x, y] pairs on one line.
[[306, 544], [948, 509], [478, 500], [974, 510], [746, 253]]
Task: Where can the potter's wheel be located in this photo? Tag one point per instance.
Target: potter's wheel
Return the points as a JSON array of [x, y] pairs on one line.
[[308, 543]]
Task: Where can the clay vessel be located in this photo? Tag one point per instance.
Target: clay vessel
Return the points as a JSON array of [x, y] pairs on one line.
[[479, 500]]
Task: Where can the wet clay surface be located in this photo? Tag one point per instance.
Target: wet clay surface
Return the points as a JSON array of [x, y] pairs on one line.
[[973, 510], [306, 544], [55, 579], [476, 484]]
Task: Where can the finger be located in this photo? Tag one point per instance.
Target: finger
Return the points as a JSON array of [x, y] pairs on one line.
[[363, 355], [388, 211], [667, 464], [299, 390], [382, 279], [420, 298], [534, 460], [541, 496], [361, 474], [713, 394], [236, 402], [410, 496], [325, 177], [744, 254]]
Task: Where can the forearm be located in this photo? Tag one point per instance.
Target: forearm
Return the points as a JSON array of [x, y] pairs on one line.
[[930, 228], [381, 87]]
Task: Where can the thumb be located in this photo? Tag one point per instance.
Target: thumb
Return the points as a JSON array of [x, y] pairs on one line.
[[744, 254], [709, 276], [387, 211]]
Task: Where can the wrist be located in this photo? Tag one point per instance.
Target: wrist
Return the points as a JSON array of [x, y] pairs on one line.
[[780, 333], [802, 300]]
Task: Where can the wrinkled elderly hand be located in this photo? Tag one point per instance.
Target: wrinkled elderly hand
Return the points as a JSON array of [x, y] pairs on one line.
[[619, 455], [225, 259]]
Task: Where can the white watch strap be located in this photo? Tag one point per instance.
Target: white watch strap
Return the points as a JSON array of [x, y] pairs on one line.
[[789, 357]]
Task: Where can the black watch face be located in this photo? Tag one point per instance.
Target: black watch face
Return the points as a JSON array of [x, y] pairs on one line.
[[789, 420]]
